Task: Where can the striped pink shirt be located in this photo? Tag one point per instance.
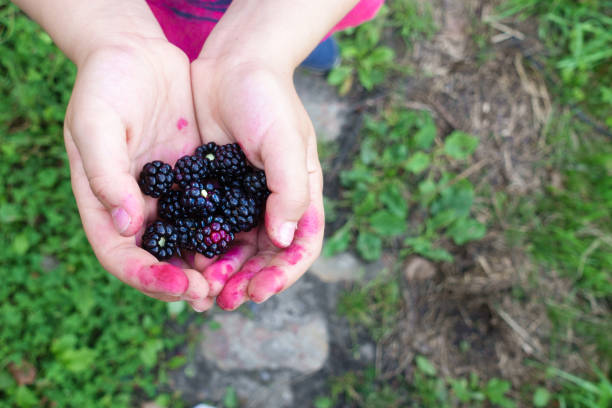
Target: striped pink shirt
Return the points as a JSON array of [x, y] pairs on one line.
[[187, 23]]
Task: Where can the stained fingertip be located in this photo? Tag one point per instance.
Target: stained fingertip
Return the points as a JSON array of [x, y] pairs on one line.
[[163, 297], [162, 278], [219, 272], [198, 286], [268, 282], [202, 305], [234, 293]]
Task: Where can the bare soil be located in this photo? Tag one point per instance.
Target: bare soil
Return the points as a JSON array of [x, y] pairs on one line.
[[482, 313]]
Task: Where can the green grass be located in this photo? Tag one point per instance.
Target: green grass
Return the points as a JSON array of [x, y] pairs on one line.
[[572, 223], [578, 40], [366, 58], [91, 340]]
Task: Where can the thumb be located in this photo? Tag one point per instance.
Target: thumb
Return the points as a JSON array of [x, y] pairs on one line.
[[103, 152], [284, 160]]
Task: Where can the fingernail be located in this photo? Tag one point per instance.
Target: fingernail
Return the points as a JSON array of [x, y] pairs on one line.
[[121, 219], [285, 233], [197, 309]]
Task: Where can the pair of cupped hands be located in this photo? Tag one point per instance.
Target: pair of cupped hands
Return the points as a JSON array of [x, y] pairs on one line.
[[140, 99]]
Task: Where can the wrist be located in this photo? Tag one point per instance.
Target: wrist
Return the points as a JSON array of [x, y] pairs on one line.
[[274, 32], [81, 27]]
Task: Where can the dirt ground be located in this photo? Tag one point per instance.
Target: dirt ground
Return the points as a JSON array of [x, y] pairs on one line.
[[466, 317]]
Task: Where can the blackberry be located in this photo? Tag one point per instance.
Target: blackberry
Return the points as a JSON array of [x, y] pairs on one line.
[[213, 238], [229, 161], [160, 239], [156, 178], [200, 199], [254, 183], [207, 151], [169, 207], [185, 230], [241, 211], [189, 169]]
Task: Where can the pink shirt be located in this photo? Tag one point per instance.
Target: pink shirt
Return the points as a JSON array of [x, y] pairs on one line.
[[187, 23]]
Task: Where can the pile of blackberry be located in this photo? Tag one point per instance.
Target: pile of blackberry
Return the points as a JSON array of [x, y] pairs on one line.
[[203, 202]]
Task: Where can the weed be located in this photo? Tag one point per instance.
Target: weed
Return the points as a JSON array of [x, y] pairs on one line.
[[412, 19], [578, 37], [400, 171], [362, 56]]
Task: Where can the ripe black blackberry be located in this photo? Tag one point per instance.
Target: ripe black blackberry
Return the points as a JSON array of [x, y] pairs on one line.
[[200, 199], [254, 183], [189, 169], [160, 239], [185, 230], [214, 238], [207, 151], [169, 207], [229, 161], [156, 178], [241, 211]]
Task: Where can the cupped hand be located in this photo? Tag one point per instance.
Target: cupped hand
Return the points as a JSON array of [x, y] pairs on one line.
[[257, 106], [131, 104]]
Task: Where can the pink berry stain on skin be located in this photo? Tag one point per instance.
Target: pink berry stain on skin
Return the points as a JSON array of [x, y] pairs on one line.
[[219, 272], [217, 275], [181, 124], [293, 254], [268, 282], [163, 278], [309, 224], [234, 291]]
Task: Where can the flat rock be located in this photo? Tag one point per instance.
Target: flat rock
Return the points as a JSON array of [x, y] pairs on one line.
[[341, 267], [244, 344], [326, 109], [419, 269]]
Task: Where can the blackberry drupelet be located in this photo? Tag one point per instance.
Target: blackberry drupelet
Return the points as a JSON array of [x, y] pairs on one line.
[[169, 207], [160, 239], [200, 199], [189, 169], [241, 211], [214, 238], [156, 178], [254, 183]]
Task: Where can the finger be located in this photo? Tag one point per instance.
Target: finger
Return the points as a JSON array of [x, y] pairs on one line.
[[202, 305], [219, 272], [198, 286], [287, 178], [163, 298], [234, 293], [291, 263], [100, 137]]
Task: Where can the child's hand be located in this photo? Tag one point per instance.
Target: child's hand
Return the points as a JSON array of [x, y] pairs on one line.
[[249, 103], [131, 104]]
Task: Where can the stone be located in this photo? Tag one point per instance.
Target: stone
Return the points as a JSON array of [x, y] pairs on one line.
[[326, 109], [341, 267], [419, 269], [242, 343]]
